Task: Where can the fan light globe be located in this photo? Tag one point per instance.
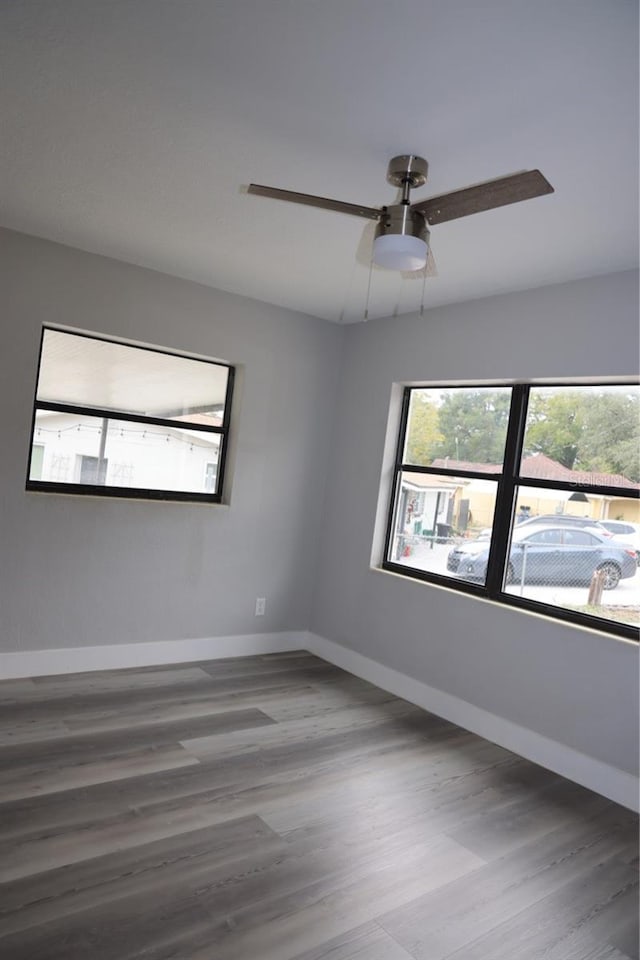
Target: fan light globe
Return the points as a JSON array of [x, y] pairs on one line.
[[400, 252]]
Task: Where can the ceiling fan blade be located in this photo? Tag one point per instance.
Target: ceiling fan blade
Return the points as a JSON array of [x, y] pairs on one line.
[[484, 196], [355, 209]]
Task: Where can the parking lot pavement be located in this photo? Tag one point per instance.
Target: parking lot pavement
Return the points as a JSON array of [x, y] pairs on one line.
[[626, 594], [433, 557], [428, 555]]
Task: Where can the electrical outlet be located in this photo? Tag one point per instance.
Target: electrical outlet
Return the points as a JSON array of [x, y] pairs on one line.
[[261, 603]]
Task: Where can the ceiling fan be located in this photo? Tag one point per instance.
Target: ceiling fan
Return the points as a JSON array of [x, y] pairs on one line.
[[402, 236]]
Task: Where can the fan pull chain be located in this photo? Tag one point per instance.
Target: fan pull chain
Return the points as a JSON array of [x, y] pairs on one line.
[[366, 305]]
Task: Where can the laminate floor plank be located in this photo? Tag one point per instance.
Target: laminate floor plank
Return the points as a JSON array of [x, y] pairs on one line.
[[139, 703], [316, 699], [163, 707], [367, 942], [30, 730], [611, 930], [447, 783], [303, 729], [176, 862], [32, 855], [446, 920], [21, 785], [550, 926], [105, 681], [15, 689], [262, 678], [149, 684], [619, 926], [495, 832], [268, 663], [277, 808], [80, 747]]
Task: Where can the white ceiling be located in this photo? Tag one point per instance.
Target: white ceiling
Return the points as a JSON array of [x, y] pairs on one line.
[[131, 127]]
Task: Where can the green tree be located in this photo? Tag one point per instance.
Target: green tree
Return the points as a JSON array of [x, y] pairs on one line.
[[555, 425], [473, 424], [611, 435], [587, 430], [423, 434]]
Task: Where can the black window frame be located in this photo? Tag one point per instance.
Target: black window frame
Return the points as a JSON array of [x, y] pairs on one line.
[[508, 482], [133, 493]]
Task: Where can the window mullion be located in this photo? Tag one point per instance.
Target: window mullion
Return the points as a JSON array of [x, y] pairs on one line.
[[505, 497], [116, 415]]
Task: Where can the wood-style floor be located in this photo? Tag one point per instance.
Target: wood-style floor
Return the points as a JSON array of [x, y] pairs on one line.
[[275, 807]]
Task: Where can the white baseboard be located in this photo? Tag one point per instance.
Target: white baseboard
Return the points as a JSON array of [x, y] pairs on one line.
[[38, 663], [617, 785]]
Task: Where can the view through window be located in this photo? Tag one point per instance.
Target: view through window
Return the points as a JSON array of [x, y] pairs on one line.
[[525, 494], [117, 419]]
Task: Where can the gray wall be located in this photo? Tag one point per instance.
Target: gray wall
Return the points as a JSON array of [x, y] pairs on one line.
[[77, 571], [572, 685]]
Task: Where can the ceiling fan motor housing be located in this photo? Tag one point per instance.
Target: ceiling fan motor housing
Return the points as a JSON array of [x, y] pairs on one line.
[[400, 219]]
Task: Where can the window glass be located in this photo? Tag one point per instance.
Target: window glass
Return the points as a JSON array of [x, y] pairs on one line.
[[124, 453], [458, 427], [87, 372], [572, 562], [585, 435], [434, 527], [537, 506]]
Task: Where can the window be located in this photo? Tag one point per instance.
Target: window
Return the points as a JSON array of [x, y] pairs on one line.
[[505, 492], [119, 420]]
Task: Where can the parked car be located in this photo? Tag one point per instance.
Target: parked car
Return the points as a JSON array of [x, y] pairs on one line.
[[622, 531], [555, 519], [550, 554], [564, 520]]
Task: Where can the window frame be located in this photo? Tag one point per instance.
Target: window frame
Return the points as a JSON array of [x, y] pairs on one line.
[[132, 493], [508, 482]]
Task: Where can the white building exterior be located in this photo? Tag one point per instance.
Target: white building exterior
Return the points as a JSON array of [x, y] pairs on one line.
[[67, 448]]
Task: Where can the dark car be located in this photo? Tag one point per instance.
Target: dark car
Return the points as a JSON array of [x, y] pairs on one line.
[[550, 554]]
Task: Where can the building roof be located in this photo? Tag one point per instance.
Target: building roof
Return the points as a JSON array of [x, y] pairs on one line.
[[428, 481], [538, 465]]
